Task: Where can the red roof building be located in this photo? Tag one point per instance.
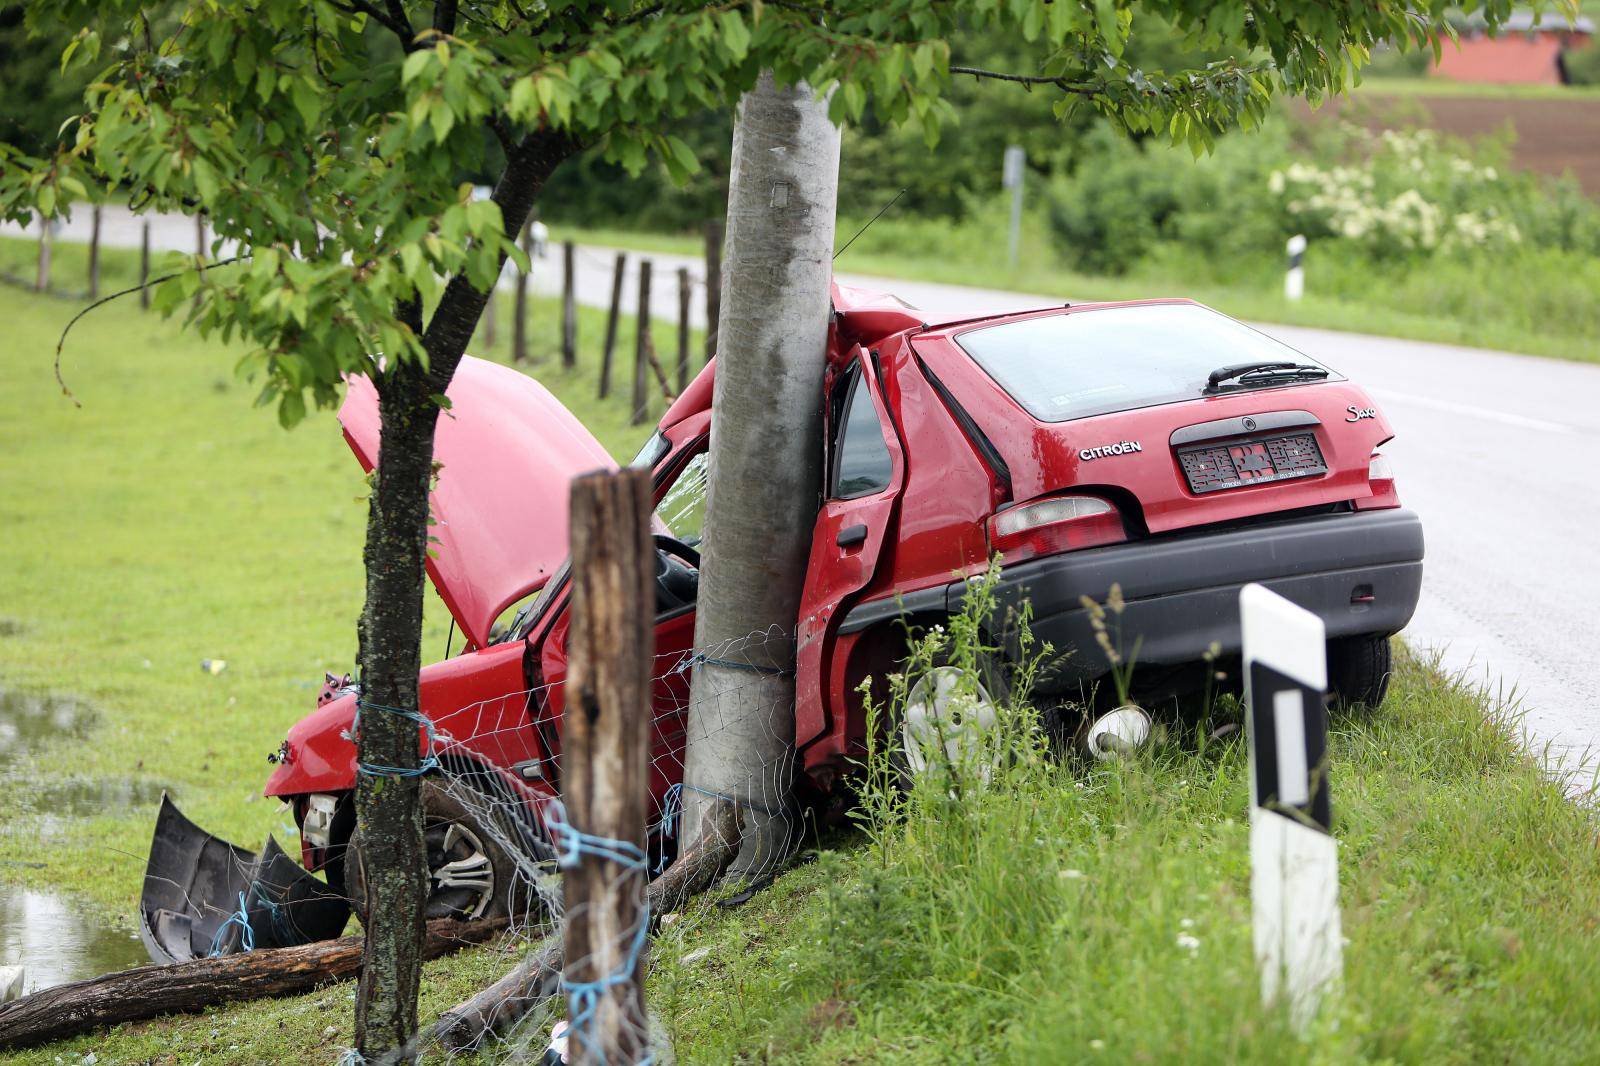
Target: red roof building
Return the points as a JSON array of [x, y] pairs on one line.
[[1522, 52]]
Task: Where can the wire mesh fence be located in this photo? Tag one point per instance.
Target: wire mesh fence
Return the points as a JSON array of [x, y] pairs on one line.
[[499, 838]]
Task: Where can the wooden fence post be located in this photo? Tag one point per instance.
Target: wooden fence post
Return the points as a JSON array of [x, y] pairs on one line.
[[615, 313], [569, 305], [684, 292], [94, 252], [42, 282], [144, 264], [713, 284], [519, 305], [605, 766], [199, 247], [641, 346]]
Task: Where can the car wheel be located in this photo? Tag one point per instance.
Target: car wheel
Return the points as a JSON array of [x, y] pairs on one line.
[[1359, 669], [949, 719], [471, 874]]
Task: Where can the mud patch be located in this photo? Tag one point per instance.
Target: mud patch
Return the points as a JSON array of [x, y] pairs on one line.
[[56, 940]]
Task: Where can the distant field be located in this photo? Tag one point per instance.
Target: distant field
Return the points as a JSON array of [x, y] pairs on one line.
[[1557, 128]]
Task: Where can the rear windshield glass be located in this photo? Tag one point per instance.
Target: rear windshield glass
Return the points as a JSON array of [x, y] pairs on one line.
[[1115, 358]]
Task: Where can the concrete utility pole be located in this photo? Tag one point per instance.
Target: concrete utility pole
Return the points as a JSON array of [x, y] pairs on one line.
[[765, 461]]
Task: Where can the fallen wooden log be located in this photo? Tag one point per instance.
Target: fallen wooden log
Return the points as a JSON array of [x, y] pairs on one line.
[[149, 991], [498, 1008]]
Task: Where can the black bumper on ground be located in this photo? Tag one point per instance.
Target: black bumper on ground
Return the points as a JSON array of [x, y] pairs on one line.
[[1361, 573]]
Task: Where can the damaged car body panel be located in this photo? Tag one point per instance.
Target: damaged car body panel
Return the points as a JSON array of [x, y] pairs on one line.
[[1154, 445], [500, 505], [205, 897]]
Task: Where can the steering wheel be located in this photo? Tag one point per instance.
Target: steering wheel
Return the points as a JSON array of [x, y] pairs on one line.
[[674, 546], [677, 573]]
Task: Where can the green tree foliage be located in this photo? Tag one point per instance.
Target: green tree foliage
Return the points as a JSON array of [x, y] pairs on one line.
[[35, 97], [332, 136]]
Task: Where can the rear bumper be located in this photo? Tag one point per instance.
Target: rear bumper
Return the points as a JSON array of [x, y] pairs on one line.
[[1360, 573]]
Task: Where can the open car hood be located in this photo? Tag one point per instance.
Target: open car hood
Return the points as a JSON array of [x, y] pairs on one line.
[[507, 451]]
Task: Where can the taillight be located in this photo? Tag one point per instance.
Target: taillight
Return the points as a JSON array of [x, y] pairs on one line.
[[1056, 524], [1380, 479]]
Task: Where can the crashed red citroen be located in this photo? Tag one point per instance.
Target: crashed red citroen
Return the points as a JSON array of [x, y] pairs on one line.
[[1158, 446]]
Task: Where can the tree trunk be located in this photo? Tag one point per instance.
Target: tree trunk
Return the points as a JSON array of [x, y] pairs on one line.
[[387, 809], [150, 991], [764, 461], [389, 817]]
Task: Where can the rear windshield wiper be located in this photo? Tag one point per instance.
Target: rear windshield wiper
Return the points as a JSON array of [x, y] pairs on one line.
[[1246, 375]]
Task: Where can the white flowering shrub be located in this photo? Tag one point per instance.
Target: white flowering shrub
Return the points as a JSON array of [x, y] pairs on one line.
[[1412, 193]]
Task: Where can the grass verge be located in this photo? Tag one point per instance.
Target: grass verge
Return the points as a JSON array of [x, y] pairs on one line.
[[1046, 919], [165, 521], [1440, 302]]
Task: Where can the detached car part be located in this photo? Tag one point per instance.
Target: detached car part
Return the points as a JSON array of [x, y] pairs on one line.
[[205, 897]]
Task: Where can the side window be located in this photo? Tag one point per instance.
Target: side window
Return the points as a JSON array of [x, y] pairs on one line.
[[861, 462], [683, 509]]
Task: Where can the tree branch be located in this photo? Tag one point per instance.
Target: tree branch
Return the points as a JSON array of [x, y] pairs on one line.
[[528, 164], [394, 19], [1030, 80], [444, 16]]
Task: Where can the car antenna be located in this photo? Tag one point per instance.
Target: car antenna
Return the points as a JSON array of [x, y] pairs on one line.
[[870, 221]]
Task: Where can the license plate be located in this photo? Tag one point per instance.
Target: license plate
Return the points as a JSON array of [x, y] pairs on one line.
[[1255, 462]]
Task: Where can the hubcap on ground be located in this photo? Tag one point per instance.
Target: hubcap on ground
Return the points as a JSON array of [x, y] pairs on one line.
[[460, 872], [950, 717]]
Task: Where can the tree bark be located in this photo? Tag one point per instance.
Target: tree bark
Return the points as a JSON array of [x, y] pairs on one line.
[[497, 1009], [765, 475], [149, 991], [389, 817]]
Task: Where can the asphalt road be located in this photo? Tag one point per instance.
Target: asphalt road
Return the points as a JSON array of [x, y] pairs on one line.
[[1499, 453]]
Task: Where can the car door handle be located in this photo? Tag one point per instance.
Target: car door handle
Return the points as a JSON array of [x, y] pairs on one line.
[[850, 536]]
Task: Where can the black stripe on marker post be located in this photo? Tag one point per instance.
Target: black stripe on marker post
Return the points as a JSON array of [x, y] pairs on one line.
[[1310, 801]]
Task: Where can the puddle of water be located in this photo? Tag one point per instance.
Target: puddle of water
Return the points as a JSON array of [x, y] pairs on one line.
[[79, 797], [26, 721], [57, 941], [55, 938]]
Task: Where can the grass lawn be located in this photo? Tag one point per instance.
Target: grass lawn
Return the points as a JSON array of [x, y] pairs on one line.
[[166, 521]]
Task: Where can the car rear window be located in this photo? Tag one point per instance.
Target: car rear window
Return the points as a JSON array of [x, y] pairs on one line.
[[1093, 362]]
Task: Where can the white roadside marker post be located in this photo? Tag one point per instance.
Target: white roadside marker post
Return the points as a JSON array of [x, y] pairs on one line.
[[1011, 178], [1294, 864], [1294, 282]]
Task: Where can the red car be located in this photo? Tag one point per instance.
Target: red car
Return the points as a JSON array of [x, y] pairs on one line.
[[1158, 446]]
